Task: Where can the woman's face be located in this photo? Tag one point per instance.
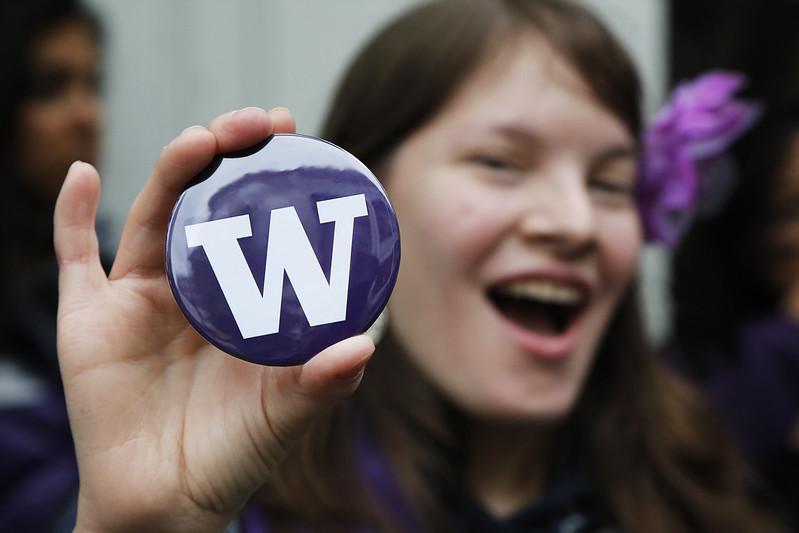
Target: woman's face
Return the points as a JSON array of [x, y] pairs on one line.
[[519, 233], [782, 235], [60, 120]]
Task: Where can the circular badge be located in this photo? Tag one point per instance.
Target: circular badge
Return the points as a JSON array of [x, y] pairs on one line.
[[278, 251]]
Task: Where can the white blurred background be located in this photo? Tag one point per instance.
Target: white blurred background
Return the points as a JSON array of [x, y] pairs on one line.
[[174, 63]]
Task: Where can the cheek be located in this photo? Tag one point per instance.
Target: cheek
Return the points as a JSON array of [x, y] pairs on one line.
[[620, 240], [785, 235], [782, 256], [38, 140], [446, 232], [448, 225], [39, 125]]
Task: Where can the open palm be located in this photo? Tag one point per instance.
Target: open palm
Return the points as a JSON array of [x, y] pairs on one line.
[[170, 433]]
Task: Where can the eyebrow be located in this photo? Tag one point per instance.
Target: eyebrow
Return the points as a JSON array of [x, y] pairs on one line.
[[519, 134], [528, 137]]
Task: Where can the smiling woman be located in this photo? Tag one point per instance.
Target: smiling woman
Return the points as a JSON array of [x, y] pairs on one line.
[[513, 389], [534, 225]]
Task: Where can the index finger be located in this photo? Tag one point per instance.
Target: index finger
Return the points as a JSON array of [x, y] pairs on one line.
[[141, 246]]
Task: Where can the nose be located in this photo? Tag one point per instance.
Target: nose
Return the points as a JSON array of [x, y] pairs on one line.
[[558, 211], [86, 108]]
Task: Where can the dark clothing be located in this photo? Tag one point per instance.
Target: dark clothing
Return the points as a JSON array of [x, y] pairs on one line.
[[759, 399], [39, 482], [567, 507], [38, 472], [756, 392], [759, 394]]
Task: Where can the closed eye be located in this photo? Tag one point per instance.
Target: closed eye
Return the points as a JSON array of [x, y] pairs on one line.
[[614, 190], [494, 162], [612, 186], [612, 179], [497, 169]]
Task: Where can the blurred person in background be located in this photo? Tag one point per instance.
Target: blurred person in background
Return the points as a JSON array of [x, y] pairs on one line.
[[736, 298], [50, 116]]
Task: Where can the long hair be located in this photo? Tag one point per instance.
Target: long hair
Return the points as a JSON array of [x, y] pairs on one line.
[[649, 448]]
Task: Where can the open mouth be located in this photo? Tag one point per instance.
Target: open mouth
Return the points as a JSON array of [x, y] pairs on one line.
[[543, 307]]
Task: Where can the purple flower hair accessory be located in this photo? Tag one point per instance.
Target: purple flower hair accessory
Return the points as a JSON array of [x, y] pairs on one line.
[[690, 134]]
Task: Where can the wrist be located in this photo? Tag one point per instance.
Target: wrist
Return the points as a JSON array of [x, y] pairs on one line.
[[118, 522]]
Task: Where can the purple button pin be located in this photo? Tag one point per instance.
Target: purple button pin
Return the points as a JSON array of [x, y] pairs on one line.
[[275, 252]]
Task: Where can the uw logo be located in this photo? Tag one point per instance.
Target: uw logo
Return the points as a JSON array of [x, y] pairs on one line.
[[279, 284], [288, 252]]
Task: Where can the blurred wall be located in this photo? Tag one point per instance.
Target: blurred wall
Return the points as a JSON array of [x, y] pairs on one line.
[[174, 63]]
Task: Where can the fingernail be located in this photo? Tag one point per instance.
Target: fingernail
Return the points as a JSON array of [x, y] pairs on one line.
[[355, 371], [191, 128], [279, 109], [73, 165]]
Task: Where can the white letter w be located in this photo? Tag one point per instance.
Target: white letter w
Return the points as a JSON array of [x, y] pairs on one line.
[[288, 250]]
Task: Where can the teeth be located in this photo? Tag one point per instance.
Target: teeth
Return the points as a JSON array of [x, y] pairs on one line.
[[544, 291]]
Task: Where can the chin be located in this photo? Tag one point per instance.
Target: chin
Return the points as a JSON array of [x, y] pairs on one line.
[[536, 412]]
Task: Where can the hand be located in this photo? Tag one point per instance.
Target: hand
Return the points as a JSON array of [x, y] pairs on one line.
[[171, 434]]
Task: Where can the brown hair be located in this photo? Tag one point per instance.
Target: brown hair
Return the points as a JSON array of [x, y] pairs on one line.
[[649, 447]]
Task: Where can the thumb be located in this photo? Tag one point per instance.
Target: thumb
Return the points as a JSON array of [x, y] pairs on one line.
[[339, 365], [323, 381]]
